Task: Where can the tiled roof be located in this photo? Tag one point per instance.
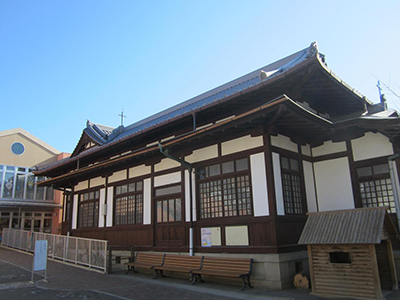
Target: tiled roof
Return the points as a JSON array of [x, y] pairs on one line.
[[355, 226], [213, 96]]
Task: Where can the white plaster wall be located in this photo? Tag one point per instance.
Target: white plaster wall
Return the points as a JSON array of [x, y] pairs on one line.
[[283, 142], [102, 201], [187, 196], [166, 164], [333, 182], [329, 148], [311, 195], [96, 181], [259, 185], [75, 212], [147, 201], [110, 206], [306, 150], [241, 144], [117, 176], [203, 154], [167, 179], [371, 145], [236, 235], [83, 185], [280, 207], [139, 171]]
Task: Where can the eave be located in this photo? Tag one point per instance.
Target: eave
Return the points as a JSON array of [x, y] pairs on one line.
[[278, 111]]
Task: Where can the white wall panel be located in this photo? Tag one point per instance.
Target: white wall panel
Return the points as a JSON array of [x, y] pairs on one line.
[[110, 206], [167, 179], [117, 176], [97, 181], [283, 142], [102, 201], [333, 182], [147, 201], [75, 212], [278, 184], [203, 154], [187, 196], [371, 145], [306, 150], [243, 143], [166, 164], [259, 185], [329, 148], [139, 171], [83, 185]]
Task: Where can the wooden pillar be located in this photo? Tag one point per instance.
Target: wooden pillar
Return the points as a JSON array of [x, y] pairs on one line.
[[392, 265], [311, 266], [375, 271]]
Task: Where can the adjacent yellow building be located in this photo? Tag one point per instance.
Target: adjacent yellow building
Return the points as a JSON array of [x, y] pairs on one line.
[[24, 205]]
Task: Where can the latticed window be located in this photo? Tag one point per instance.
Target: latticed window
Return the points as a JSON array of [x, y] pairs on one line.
[[128, 201], [225, 190], [291, 185], [89, 209], [376, 186]]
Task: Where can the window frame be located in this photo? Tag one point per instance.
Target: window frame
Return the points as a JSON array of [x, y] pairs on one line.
[[137, 195], [290, 172], [373, 178], [84, 204], [168, 197], [223, 213]]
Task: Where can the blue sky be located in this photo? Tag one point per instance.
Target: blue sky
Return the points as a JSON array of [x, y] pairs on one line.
[[63, 62]]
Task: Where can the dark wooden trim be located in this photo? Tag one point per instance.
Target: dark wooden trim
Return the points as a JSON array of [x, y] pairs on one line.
[[353, 175], [105, 201], [269, 167], [330, 156]]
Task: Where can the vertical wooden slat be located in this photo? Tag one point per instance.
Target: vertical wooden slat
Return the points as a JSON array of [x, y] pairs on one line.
[[395, 285], [310, 262], [375, 271]]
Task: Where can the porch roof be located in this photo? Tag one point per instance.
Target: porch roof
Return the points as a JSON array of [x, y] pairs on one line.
[[353, 226]]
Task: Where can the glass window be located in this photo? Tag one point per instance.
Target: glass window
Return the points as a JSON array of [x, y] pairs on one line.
[[50, 193], [376, 187], [169, 210], [228, 167], [291, 186], [176, 189], [88, 214], [19, 187], [17, 148], [8, 185], [128, 201], [229, 195], [30, 185]]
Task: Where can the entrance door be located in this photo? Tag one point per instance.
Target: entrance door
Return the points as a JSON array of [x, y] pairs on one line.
[[169, 229]]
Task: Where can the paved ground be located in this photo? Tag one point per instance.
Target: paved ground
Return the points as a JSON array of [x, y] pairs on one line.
[[68, 282]]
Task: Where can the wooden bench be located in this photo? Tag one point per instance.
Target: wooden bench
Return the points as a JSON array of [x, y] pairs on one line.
[[178, 263], [225, 267], [145, 260]]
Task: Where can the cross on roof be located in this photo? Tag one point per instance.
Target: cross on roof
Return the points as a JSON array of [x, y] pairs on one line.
[[122, 117]]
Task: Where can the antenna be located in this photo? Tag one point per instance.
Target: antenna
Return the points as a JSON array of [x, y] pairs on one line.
[[122, 117]]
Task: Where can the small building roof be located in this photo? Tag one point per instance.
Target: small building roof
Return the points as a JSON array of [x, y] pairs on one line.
[[354, 226]]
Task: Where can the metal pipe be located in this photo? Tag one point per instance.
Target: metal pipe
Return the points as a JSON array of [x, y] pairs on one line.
[[394, 178], [190, 169]]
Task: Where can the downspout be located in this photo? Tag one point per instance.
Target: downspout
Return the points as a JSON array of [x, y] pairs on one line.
[[394, 178], [190, 169]]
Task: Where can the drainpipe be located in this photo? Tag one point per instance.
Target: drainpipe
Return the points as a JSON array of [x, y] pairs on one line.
[[394, 178], [190, 169]]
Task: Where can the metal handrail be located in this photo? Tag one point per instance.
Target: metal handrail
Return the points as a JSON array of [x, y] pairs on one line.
[[86, 252]]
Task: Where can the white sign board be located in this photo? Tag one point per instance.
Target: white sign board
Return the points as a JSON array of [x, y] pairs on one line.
[[40, 258]]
